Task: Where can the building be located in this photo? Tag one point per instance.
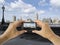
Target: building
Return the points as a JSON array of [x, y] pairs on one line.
[[36, 17], [21, 18], [47, 20], [3, 19], [55, 21], [29, 20], [14, 18]]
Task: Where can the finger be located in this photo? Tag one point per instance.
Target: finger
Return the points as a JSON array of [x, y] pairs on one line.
[[22, 31], [17, 23], [10, 25], [39, 23], [35, 31]]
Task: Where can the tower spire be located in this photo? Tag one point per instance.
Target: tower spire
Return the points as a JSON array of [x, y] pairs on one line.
[[3, 9], [37, 16]]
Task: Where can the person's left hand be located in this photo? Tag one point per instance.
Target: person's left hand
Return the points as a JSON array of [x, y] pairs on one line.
[[12, 32]]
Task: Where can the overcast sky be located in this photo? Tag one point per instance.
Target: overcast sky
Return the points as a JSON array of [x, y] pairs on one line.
[[29, 8]]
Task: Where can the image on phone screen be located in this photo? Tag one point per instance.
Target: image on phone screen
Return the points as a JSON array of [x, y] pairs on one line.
[[29, 25]]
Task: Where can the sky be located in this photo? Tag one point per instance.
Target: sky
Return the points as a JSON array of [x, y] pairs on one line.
[[29, 8]]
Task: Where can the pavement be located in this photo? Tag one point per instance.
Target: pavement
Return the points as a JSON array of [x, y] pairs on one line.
[[19, 41], [22, 41]]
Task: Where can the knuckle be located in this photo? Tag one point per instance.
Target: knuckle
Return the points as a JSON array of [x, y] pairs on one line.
[[13, 25], [45, 24], [10, 23]]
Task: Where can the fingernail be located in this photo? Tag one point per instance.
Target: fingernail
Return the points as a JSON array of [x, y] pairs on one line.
[[33, 31], [25, 31]]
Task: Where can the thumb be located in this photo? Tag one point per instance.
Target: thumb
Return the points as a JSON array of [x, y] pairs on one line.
[[35, 31], [22, 31]]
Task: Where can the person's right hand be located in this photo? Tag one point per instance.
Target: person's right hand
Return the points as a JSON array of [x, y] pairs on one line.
[[45, 31]]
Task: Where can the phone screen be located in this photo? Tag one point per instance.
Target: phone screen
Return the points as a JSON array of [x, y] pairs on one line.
[[29, 25]]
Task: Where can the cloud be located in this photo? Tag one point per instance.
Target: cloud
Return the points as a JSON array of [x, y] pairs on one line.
[[20, 5], [30, 9], [54, 6], [55, 3], [41, 12], [1, 1], [18, 8], [42, 3]]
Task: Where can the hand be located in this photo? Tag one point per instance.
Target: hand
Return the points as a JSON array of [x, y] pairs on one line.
[[45, 31], [12, 32]]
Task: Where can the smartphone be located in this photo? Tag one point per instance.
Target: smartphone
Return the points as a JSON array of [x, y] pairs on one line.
[[30, 25]]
